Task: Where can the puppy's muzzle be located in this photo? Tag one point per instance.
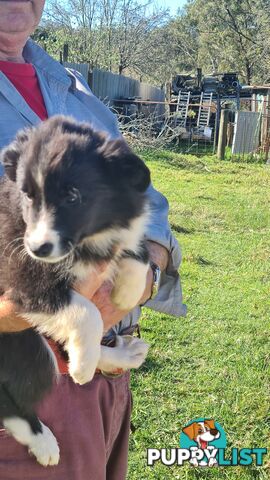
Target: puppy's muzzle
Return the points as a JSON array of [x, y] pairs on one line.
[[43, 250]]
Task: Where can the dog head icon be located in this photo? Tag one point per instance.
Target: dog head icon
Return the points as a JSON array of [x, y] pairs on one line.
[[202, 432]]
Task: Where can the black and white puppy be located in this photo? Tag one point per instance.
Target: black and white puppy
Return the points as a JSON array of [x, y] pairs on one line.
[[70, 198]]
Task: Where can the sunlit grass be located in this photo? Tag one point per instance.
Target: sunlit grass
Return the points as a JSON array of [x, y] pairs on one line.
[[216, 362]]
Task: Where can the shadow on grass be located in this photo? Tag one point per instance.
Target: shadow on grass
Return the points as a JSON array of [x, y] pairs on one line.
[[199, 260], [202, 197], [151, 364], [176, 160], [203, 261], [180, 229]]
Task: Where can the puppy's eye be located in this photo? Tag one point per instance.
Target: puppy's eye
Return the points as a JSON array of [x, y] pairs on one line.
[[200, 431], [73, 196], [28, 197]]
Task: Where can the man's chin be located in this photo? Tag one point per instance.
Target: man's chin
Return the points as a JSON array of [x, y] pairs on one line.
[[14, 25]]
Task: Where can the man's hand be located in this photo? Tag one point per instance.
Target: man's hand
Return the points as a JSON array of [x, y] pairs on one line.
[[95, 289], [111, 315], [10, 321]]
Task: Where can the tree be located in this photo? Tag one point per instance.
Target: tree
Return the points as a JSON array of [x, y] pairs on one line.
[[184, 39], [231, 34], [118, 35], [137, 39]]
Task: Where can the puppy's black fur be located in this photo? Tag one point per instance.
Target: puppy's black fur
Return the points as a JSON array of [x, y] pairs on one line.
[[93, 185]]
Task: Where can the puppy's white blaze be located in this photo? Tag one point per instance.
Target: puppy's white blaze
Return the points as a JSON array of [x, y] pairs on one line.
[[202, 425], [39, 177], [44, 233], [42, 445]]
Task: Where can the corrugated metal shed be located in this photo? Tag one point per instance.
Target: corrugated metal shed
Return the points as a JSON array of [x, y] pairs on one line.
[[246, 132]]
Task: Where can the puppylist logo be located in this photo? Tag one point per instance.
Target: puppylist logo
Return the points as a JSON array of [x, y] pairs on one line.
[[203, 444]]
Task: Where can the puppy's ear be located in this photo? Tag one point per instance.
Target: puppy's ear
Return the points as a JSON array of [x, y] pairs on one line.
[[124, 166], [210, 423], [190, 431], [11, 154]]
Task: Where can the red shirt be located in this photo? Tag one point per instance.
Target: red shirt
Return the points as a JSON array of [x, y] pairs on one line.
[[24, 78]]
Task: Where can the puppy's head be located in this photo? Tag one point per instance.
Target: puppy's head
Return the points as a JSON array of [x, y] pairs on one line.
[[202, 432], [74, 183]]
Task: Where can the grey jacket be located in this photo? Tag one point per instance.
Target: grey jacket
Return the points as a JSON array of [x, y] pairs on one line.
[[66, 92]]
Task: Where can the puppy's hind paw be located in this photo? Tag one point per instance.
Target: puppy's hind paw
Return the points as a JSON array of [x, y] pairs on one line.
[[45, 448]]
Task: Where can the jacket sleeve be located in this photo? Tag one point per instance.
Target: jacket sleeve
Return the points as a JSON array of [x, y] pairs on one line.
[[169, 297]]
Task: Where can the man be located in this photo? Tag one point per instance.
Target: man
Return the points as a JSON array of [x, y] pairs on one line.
[[91, 422]]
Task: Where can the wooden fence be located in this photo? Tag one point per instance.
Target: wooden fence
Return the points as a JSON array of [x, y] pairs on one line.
[[109, 87]]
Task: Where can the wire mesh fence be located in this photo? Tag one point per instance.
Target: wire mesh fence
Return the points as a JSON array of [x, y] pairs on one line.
[[166, 131], [247, 131]]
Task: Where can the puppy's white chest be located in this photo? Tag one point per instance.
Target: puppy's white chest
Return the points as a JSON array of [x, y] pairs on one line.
[[82, 270]]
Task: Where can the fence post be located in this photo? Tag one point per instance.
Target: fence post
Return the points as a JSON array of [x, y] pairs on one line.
[[65, 52], [222, 138]]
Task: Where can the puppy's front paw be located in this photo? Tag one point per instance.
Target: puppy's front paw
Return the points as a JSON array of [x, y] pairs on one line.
[[129, 284], [125, 297], [82, 368], [132, 352], [81, 375], [83, 360]]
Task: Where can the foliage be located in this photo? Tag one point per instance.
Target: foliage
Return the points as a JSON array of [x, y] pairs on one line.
[[120, 36], [232, 34], [141, 40]]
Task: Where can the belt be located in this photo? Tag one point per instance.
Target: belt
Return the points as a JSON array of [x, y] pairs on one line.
[[62, 356]]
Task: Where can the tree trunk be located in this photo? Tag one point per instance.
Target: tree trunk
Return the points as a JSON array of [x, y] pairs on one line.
[[248, 72]]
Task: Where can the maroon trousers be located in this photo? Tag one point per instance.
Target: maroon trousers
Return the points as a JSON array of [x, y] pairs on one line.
[[91, 424]]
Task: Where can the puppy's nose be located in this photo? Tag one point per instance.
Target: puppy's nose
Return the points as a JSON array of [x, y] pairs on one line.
[[214, 431], [44, 250]]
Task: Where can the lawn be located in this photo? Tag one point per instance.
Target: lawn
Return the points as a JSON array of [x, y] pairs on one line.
[[215, 362]]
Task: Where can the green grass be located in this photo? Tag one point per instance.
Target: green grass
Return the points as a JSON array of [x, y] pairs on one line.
[[216, 361], [252, 157]]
